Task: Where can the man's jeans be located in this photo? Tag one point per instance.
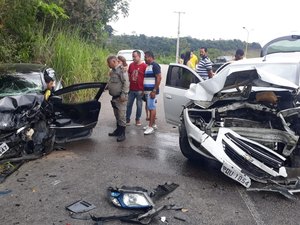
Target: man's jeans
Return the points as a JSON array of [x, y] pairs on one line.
[[139, 104]]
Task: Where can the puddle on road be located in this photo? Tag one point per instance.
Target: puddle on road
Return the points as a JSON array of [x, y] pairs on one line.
[[168, 140], [147, 153]]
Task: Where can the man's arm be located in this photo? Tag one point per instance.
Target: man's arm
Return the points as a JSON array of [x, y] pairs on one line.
[[209, 68], [125, 86], [210, 73], [157, 73], [157, 81]]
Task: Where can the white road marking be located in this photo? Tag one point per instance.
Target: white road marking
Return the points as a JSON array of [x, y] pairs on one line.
[[250, 205]]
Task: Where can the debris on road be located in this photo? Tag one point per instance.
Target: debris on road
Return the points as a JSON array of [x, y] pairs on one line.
[[80, 206]]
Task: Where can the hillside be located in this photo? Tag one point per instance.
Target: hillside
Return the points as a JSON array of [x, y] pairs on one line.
[[166, 47]]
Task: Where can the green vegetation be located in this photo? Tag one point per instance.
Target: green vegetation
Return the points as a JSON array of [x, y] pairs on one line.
[[165, 48], [75, 39], [66, 35], [74, 58]]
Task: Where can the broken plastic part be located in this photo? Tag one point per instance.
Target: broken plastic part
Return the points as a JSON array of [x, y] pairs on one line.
[[139, 218], [163, 219], [80, 206], [286, 187], [179, 218], [162, 190]]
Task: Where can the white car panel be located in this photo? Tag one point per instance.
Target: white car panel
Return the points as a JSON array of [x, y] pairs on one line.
[[179, 78]]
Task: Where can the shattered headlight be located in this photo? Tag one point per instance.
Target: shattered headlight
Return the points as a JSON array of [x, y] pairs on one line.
[[135, 199], [7, 121]]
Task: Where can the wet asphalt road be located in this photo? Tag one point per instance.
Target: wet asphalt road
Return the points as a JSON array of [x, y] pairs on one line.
[[41, 189]]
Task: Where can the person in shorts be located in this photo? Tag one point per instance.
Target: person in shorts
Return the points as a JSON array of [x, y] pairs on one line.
[[152, 79]]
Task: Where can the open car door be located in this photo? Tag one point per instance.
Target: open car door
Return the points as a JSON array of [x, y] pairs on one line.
[[76, 119], [179, 78]]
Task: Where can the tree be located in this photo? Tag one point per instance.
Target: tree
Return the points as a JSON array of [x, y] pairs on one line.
[[92, 16], [18, 19]]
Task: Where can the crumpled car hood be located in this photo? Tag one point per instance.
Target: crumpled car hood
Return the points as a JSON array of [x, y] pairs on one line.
[[13, 103], [250, 75]]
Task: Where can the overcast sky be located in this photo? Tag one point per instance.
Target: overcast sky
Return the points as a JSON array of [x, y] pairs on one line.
[[212, 19]]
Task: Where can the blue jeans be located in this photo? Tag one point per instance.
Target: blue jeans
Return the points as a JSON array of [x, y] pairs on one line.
[[139, 104]]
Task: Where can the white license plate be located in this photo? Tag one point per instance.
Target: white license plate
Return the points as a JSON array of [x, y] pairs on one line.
[[3, 148], [234, 174]]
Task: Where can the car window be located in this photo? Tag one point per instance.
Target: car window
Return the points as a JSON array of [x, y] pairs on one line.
[[281, 45], [180, 77], [82, 92]]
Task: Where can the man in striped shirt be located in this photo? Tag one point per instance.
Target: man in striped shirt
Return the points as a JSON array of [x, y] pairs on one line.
[[204, 67], [152, 80]]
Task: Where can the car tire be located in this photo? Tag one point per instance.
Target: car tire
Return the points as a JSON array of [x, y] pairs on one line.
[[190, 154], [184, 145]]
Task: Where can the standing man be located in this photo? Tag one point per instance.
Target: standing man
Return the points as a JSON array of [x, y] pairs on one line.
[[118, 86], [239, 54], [151, 87], [136, 72], [204, 67]]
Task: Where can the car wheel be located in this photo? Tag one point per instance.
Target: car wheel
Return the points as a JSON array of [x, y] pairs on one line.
[[190, 154], [184, 145]]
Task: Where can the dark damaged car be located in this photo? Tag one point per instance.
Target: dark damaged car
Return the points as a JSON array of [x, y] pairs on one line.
[[247, 117], [29, 125]]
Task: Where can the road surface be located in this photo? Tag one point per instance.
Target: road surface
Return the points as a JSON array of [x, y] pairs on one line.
[[41, 189]]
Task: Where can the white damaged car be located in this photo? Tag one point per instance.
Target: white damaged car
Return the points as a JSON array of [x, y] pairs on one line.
[[247, 117]]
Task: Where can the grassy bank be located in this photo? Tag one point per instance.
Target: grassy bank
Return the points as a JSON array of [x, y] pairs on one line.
[[74, 59]]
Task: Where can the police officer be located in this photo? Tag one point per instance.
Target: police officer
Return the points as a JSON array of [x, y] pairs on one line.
[[118, 86]]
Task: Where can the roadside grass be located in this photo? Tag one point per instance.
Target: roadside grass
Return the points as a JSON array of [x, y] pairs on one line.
[[74, 59]]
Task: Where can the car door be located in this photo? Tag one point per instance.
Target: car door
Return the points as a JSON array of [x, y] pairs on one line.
[[76, 119], [179, 78]]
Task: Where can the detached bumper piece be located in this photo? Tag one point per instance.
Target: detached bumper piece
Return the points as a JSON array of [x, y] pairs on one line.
[[137, 218], [286, 188]]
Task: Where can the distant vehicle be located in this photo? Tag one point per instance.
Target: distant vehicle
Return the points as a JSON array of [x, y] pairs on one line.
[[128, 55], [219, 61]]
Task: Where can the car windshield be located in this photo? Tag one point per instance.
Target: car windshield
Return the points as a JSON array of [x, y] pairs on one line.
[[16, 84], [282, 45]]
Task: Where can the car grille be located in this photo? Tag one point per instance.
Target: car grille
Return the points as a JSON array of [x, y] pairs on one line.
[[254, 151]]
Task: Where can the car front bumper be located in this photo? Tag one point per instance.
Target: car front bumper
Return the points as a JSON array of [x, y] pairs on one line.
[[241, 158]]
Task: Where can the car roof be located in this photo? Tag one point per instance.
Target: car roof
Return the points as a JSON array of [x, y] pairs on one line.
[[130, 50], [22, 67]]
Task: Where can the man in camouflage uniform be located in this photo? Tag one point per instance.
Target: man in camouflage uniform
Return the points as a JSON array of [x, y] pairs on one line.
[[118, 86]]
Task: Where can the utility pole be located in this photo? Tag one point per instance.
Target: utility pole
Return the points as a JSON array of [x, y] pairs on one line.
[[178, 36], [246, 48]]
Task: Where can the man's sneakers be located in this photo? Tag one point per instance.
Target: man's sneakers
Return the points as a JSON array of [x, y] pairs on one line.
[[150, 130]]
